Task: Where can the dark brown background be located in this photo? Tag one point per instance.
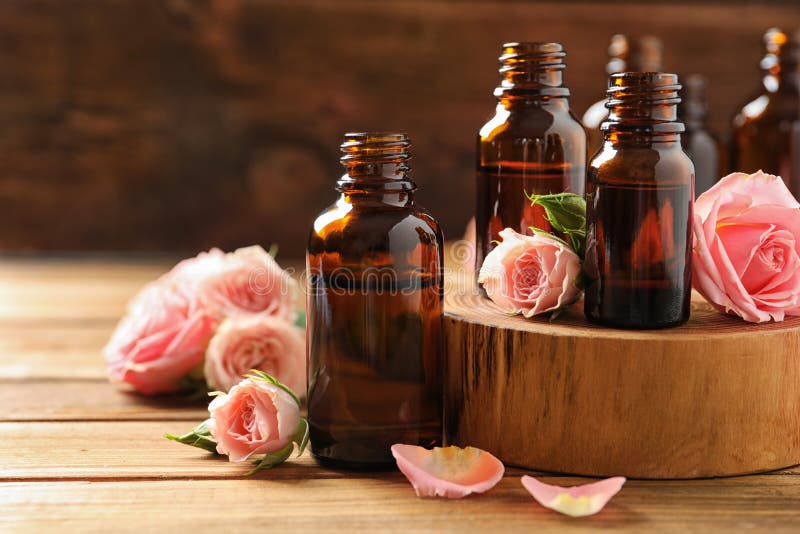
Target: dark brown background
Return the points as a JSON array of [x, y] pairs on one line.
[[178, 125]]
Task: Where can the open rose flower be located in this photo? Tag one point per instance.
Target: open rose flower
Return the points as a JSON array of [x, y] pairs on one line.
[[162, 338], [244, 282], [261, 342], [531, 274], [746, 247], [575, 501], [450, 472], [255, 417]]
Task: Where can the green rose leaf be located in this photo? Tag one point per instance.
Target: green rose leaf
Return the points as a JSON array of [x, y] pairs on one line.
[[566, 213], [299, 440], [261, 376], [199, 437]]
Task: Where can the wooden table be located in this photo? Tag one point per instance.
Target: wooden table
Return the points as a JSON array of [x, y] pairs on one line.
[[77, 454]]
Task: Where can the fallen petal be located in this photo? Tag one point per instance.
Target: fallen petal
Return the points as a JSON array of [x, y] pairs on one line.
[[575, 501], [450, 472]]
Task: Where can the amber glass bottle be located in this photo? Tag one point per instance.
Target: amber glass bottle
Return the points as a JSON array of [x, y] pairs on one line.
[[624, 54], [533, 144], [762, 128], [639, 207], [698, 140], [374, 305]]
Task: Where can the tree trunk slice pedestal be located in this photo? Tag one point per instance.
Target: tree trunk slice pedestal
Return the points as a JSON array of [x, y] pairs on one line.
[[714, 397]]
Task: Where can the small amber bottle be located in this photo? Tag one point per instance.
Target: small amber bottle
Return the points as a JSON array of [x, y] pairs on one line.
[[624, 54], [533, 144], [639, 206], [374, 311], [698, 140], [762, 136]]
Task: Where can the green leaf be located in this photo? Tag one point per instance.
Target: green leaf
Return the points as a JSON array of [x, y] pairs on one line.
[[261, 376], [273, 250], [199, 437], [299, 440], [301, 319], [566, 213]]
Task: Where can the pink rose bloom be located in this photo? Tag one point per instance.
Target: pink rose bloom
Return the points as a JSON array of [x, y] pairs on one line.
[[746, 245], [161, 339], [168, 325], [530, 274], [245, 282], [255, 417], [261, 342]]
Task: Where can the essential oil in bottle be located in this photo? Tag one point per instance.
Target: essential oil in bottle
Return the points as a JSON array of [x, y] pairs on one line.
[[639, 206], [641, 54], [533, 144], [765, 128], [374, 311], [698, 140]]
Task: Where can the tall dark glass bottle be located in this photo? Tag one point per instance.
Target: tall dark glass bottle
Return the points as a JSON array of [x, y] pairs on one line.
[[624, 54], [698, 140], [374, 309], [533, 144], [639, 207], [764, 135]]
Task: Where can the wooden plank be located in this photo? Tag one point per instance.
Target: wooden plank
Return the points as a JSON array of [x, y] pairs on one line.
[[58, 400], [114, 450], [47, 292], [54, 350], [369, 503]]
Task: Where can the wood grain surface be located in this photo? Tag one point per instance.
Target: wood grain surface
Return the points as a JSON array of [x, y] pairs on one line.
[[710, 398], [79, 455], [185, 124]]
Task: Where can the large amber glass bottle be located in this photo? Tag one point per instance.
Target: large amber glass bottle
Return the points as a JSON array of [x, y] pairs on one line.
[[374, 305], [639, 207], [765, 129], [533, 144], [698, 140], [641, 54]]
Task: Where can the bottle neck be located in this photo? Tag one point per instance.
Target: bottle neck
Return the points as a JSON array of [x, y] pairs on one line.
[[531, 71], [376, 168], [643, 109]]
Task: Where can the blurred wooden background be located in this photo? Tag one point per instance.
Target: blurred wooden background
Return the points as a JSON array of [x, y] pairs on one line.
[[142, 125]]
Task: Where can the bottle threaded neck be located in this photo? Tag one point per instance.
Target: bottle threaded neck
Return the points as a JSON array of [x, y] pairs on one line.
[[375, 161], [532, 68], [643, 101]]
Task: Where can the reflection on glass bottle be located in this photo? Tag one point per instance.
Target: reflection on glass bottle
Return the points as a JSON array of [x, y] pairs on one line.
[[762, 128], [624, 54], [374, 309], [533, 144], [698, 140], [639, 191]]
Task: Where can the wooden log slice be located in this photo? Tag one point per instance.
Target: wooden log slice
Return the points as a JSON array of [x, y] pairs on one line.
[[714, 397]]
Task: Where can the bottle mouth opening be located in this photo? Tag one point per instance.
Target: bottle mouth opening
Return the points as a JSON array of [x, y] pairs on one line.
[[532, 55], [375, 147]]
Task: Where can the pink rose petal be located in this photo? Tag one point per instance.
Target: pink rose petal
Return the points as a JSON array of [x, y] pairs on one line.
[[450, 472], [575, 501]]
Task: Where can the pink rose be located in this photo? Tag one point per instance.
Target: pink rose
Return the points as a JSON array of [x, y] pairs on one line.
[[255, 417], [746, 245], [245, 282], [168, 325], [161, 339], [257, 342], [530, 274]]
